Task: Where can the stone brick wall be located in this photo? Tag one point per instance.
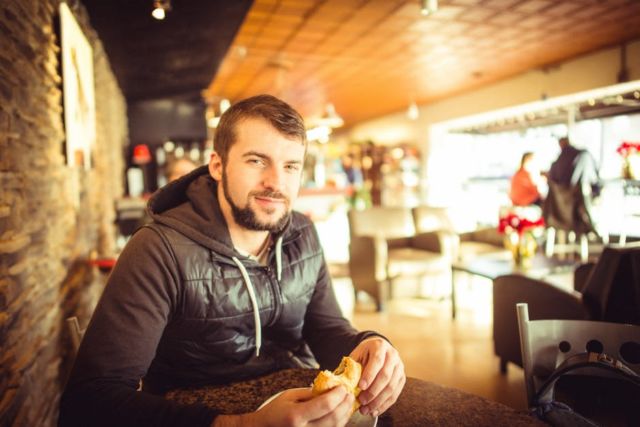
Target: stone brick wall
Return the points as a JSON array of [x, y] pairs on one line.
[[52, 217]]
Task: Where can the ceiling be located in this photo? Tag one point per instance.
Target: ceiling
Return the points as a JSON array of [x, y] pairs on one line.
[[374, 57], [176, 57]]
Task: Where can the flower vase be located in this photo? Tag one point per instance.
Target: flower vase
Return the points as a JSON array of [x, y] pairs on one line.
[[523, 247], [631, 167]]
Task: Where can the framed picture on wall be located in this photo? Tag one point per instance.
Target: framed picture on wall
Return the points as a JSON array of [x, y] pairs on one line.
[[78, 91]]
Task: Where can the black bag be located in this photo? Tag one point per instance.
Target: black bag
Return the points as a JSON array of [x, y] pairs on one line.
[[601, 389]]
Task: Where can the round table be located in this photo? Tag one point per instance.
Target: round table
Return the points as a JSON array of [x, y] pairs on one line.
[[421, 403]]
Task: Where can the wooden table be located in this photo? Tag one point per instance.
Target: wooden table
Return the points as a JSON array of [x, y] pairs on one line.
[[421, 403], [493, 265]]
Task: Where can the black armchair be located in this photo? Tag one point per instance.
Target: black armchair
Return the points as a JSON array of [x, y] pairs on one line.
[[608, 290]]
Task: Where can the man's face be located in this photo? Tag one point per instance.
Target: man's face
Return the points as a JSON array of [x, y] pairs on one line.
[[262, 176]]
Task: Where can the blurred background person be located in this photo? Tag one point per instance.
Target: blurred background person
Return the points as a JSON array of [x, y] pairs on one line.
[[575, 166], [178, 168], [524, 190]]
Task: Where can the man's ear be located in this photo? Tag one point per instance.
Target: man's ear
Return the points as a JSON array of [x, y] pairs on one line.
[[215, 166]]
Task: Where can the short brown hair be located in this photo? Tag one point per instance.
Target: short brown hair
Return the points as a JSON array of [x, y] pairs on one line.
[[277, 112]]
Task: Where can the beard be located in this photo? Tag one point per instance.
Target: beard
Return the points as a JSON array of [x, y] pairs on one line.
[[246, 216]]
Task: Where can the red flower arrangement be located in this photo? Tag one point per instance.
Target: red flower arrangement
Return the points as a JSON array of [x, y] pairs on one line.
[[628, 148], [512, 222]]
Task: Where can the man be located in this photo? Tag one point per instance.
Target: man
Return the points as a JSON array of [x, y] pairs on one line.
[[227, 284], [573, 182], [574, 166], [524, 189]]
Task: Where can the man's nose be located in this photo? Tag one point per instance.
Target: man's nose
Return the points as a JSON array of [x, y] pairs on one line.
[[273, 178]]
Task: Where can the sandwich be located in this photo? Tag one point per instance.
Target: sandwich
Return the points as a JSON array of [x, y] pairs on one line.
[[347, 374]]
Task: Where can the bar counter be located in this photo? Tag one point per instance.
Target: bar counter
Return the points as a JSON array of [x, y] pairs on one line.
[[421, 403]]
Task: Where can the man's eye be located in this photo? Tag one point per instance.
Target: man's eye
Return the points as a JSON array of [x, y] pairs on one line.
[[292, 168], [256, 161]]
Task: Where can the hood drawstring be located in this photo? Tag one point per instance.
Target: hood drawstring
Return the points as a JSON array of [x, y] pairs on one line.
[[254, 303], [252, 293], [279, 258]]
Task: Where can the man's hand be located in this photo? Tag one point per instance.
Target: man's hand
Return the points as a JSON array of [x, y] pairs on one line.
[[382, 377], [297, 407]]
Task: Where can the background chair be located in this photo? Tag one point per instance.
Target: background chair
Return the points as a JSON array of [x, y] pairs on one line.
[[467, 244], [384, 246], [608, 290], [547, 344], [75, 332]]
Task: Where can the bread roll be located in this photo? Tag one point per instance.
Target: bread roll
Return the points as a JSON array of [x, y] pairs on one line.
[[347, 374]]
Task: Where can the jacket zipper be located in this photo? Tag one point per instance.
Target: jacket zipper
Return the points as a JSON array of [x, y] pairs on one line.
[[277, 296]]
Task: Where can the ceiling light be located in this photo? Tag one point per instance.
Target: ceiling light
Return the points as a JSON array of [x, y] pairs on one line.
[[319, 133], [428, 7], [169, 146], [160, 9], [412, 112], [331, 118], [224, 105]]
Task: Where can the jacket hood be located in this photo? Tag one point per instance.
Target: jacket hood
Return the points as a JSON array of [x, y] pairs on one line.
[[190, 205]]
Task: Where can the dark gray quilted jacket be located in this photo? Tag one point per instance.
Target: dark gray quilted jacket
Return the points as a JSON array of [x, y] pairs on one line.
[[183, 308]]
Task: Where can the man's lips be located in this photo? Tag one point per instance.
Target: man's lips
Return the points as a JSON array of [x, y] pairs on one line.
[[268, 201]]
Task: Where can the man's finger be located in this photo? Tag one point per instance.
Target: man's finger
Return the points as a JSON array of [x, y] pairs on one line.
[[339, 416], [299, 394], [319, 406], [393, 398], [381, 389], [371, 369], [379, 383]]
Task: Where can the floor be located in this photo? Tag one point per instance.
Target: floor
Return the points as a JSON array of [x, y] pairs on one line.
[[435, 348]]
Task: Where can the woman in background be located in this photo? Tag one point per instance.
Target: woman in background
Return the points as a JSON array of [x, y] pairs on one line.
[[524, 189]]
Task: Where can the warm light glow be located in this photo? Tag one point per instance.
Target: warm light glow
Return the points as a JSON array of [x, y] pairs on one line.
[[169, 146], [158, 13], [397, 153], [224, 105], [319, 133], [212, 122], [160, 9], [332, 119], [413, 113], [428, 7]]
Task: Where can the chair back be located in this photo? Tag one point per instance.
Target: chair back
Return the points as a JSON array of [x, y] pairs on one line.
[[75, 332], [431, 218], [612, 290], [379, 221], [545, 344]]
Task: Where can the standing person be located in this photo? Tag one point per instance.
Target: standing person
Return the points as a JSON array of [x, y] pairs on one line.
[[227, 283], [574, 166], [524, 188]]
